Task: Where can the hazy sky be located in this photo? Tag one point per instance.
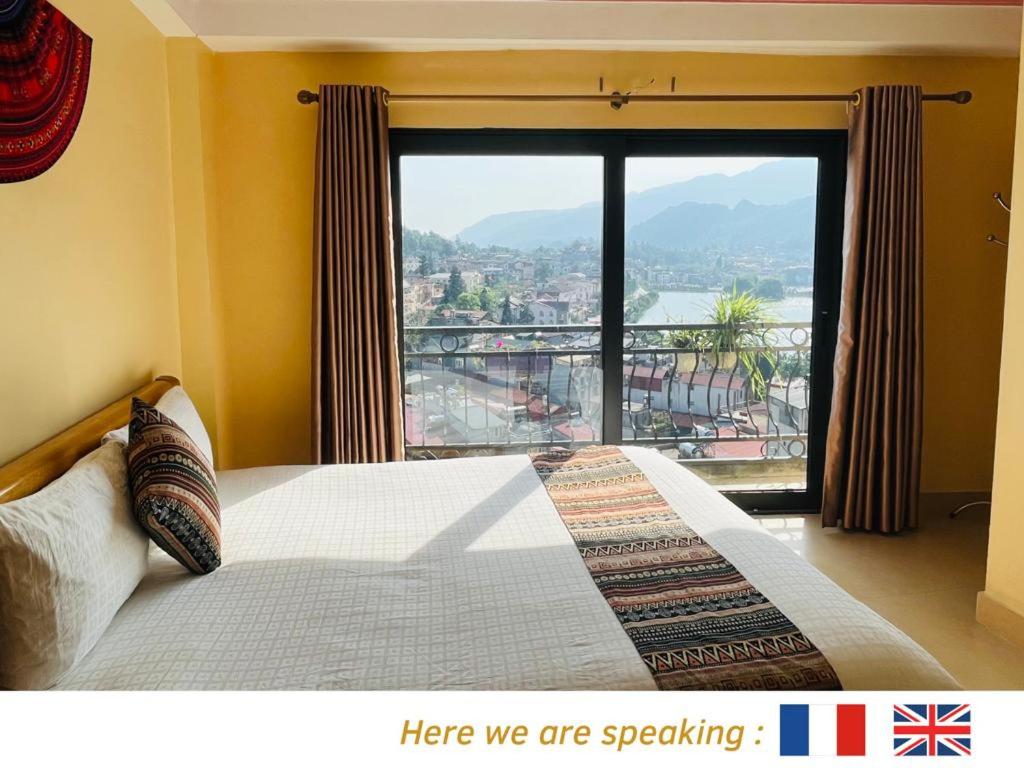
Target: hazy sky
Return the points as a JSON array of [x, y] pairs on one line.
[[447, 194]]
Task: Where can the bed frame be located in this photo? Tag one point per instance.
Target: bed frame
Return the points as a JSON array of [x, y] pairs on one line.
[[45, 463]]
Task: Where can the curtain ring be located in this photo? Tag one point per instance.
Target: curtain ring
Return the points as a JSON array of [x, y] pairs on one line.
[[853, 102]]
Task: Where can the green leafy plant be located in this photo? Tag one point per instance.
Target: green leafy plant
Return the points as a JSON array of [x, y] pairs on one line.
[[737, 338], [691, 340]]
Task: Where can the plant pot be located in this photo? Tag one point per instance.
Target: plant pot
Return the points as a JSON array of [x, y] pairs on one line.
[[686, 362], [725, 361]]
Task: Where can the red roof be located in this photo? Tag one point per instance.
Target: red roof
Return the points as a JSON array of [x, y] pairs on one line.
[[644, 377], [749, 449], [538, 410], [580, 432]]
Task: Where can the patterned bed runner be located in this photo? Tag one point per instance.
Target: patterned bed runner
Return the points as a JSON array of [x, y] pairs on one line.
[[695, 620]]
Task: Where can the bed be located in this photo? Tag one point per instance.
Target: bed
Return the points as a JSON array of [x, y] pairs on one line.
[[455, 574]]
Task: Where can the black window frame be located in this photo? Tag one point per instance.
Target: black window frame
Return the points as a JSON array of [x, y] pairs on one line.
[[615, 146]]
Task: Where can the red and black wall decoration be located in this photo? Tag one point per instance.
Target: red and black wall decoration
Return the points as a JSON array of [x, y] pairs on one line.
[[44, 73]]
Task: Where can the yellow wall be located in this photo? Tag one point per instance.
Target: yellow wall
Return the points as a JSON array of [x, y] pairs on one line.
[[1001, 605], [190, 82], [88, 296], [264, 155]]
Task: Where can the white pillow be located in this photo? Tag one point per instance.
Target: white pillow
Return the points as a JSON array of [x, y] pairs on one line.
[[177, 406], [70, 555]]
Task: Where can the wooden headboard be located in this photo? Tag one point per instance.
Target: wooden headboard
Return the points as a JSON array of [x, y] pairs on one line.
[[45, 463]]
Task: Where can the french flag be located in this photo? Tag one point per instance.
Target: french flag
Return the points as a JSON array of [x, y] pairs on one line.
[[821, 729]]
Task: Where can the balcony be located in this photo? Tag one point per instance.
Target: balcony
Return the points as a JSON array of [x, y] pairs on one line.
[[729, 402]]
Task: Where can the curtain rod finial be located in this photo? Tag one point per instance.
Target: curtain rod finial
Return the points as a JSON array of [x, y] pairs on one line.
[[308, 97], [962, 97]]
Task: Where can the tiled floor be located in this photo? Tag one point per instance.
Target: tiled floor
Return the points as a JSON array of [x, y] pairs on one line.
[[925, 582]]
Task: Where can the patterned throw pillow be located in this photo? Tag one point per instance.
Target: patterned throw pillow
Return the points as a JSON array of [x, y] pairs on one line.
[[174, 489]]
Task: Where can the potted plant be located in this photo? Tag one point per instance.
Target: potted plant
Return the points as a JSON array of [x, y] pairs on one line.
[[738, 338], [691, 343]]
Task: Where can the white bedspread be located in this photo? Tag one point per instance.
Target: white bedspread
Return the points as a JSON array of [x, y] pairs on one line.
[[452, 574]]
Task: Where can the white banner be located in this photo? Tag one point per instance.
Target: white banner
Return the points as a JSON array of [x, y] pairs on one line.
[[453, 729]]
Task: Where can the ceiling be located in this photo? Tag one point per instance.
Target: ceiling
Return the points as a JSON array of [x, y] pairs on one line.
[[830, 27]]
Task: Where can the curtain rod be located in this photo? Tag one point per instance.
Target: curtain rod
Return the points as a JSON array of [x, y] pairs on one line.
[[616, 100]]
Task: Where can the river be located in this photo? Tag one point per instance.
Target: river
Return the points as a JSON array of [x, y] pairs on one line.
[[693, 307]]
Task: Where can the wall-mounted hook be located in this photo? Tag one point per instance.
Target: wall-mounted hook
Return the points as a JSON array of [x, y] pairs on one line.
[[997, 241], [1002, 203]]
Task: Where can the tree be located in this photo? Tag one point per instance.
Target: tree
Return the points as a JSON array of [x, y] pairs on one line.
[[507, 315], [426, 266], [743, 284], [793, 365], [771, 288], [467, 300], [488, 299], [543, 271], [526, 316], [455, 288], [415, 244]]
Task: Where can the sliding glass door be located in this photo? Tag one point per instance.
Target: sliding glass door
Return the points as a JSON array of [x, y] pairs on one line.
[[719, 304], [674, 290]]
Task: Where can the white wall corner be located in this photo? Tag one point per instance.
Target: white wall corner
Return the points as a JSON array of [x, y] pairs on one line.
[[173, 18]]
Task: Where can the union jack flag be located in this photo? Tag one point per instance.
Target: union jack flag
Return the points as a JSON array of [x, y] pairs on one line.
[[933, 730]]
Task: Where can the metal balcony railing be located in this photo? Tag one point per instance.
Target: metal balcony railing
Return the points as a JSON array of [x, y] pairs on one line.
[[712, 385], [699, 391], [501, 389]]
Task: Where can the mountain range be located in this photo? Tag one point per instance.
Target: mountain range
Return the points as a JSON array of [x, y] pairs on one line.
[[771, 205]]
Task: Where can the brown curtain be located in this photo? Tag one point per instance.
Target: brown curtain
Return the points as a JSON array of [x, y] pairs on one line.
[[357, 393], [873, 454]]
